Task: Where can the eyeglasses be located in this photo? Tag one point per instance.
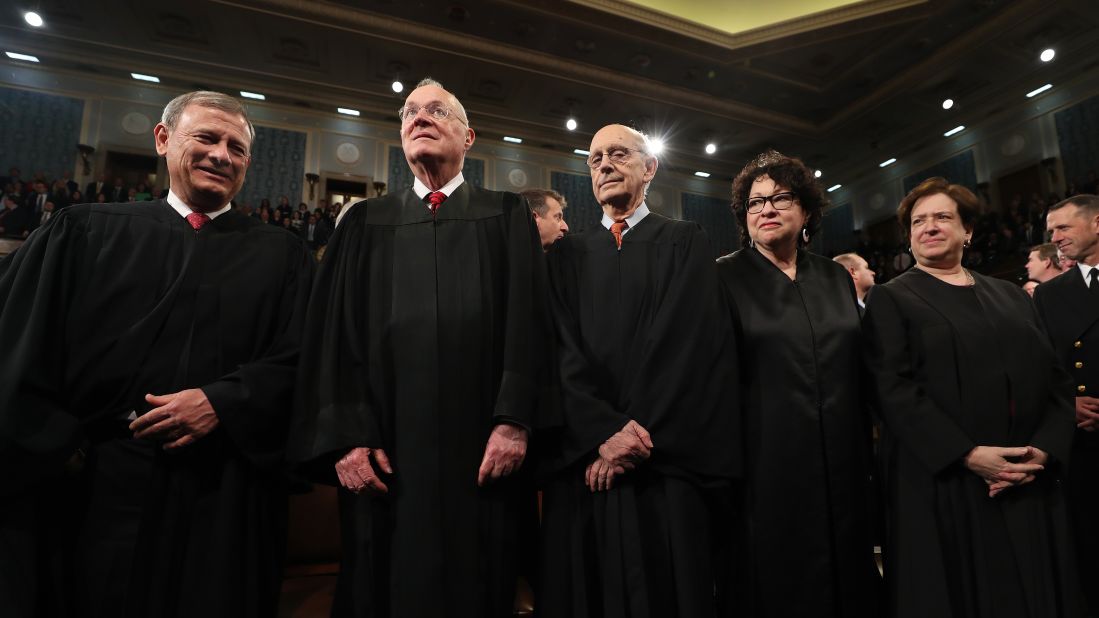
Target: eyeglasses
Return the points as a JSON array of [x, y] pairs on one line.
[[617, 155], [438, 111], [781, 201]]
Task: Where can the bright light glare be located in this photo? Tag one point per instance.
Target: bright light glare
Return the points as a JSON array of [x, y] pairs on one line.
[[702, 174], [348, 111], [711, 148], [1047, 55], [956, 130], [834, 188], [1038, 91], [570, 124], [15, 56], [145, 78], [887, 163], [397, 87], [253, 95], [656, 145], [581, 152], [948, 103], [33, 19], [817, 174]]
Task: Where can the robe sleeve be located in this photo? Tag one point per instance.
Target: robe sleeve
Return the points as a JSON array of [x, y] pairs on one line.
[[37, 284], [526, 396], [253, 403], [901, 402], [685, 392], [333, 412], [1054, 434]]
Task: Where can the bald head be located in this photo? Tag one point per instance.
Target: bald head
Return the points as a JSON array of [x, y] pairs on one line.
[[435, 147], [624, 167]]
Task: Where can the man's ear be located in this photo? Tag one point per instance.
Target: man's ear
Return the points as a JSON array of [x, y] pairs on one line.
[[160, 138]]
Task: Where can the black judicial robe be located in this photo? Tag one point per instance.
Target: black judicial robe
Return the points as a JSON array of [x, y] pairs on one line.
[[956, 367], [642, 335], [424, 333], [108, 302], [807, 436]]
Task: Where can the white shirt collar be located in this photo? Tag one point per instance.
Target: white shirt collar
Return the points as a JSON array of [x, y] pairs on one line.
[[1085, 270], [631, 221], [421, 189], [185, 210]]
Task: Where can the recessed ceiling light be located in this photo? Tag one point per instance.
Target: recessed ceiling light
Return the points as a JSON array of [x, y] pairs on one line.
[[887, 162], [1038, 91], [711, 148], [570, 124], [702, 174], [817, 174], [513, 140], [956, 130], [1047, 54], [834, 188], [253, 95], [145, 78], [33, 19], [347, 111], [581, 152], [656, 145], [948, 103], [397, 87], [17, 56]]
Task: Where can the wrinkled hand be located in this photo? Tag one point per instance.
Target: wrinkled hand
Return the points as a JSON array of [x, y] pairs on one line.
[[357, 474], [178, 420], [600, 474], [504, 453], [991, 464], [631, 445], [1087, 413]]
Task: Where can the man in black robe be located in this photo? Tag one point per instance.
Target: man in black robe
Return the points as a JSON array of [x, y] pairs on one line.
[[420, 380], [148, 370], [635, 523], [1069, 307]]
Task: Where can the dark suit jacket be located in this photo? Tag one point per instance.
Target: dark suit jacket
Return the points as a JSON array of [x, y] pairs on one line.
[[16, 221], [93, 189]]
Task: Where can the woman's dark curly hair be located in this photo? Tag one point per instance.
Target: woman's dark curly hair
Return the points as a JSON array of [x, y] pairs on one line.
[[786, 172]]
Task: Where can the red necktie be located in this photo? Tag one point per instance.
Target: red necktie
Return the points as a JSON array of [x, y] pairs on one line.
[[197, 220], [617, 228], [434, 199]]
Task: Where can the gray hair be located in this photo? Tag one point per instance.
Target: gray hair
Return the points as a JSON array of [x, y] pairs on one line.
[[427, 81], [205, 98]]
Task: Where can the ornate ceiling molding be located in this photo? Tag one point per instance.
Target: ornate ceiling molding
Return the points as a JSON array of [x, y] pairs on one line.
[[748, 38]]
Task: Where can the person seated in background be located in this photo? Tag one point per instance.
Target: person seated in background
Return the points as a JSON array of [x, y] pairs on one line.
[[42, 218], [14, 219], [76, 197], [548, 207], [1043, 263]]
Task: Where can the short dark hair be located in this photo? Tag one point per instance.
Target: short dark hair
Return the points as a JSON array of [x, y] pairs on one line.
[[537, 199], [787, 172], [968, 205], [1047, 251], [1086, 201]]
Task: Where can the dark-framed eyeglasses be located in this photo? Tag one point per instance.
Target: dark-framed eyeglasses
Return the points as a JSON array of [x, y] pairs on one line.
[[781, 201], [438, 111], [617, 156]]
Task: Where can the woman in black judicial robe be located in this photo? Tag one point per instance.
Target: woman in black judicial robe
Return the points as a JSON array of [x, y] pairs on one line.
[[807, 549], [976, 419]]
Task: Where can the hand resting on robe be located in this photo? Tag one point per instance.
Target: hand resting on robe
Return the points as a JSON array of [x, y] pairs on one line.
[[994, 465], [357, 474], [504, 453], [177, 420], [1087, 413], [619, 454]]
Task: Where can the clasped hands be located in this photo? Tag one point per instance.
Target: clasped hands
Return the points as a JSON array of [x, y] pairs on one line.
[[177, 420], [1005, 467], [619, 454], [504, 454]]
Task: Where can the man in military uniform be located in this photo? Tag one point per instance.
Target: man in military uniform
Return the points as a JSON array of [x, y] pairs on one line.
[[1069, 306]]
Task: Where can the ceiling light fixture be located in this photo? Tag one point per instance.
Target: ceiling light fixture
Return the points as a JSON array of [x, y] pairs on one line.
[[817, 174], [397, 87], [956, 130], [948, 103], [18, 56], [1047, 54], [33, 19], [145, 78], [834, 188], [581, 152], [887, 162], [253, 95], [513, 140], [656, 145], [711, 148], [1038, 91], [570, 124], [347, 111], [702, 174]]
